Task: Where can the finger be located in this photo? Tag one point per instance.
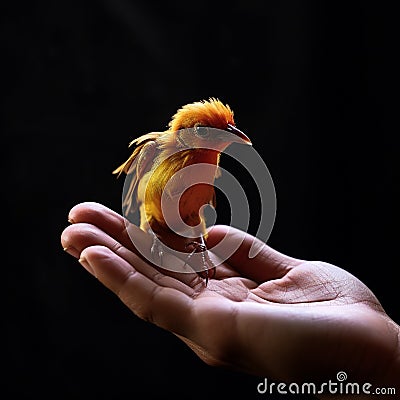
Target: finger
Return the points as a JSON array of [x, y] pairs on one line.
[[150, 299], [117, 230], [234, 245], [104, 218], [126, 234], [77, 237], [138, 264]]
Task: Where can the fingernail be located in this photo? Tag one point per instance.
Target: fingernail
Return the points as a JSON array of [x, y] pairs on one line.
[[86, 265], [71, 221], [72, 251]]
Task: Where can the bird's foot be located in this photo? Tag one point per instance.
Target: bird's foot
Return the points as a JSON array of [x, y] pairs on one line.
[[208, 265], [157, 249]]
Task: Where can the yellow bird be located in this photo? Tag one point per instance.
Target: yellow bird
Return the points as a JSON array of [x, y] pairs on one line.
[[157, 167]]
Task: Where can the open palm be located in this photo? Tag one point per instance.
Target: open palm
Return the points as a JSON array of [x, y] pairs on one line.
[[271, 315]]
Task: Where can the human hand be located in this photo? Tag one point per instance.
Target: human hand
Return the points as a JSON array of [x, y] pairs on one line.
[[275, 316]]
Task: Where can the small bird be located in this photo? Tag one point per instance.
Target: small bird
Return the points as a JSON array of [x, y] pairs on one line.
[[171, 202]]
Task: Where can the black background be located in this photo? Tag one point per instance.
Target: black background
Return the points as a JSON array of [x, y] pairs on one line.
[[312, 84]]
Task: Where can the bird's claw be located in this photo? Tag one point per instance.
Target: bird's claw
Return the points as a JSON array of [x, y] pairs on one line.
[[207, 262], [157, 251], [157, 248]]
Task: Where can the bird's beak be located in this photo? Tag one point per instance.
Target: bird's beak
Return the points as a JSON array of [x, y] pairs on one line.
[[237, 132]]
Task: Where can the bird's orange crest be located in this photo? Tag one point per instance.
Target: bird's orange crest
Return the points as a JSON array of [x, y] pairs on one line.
[[212, 113]]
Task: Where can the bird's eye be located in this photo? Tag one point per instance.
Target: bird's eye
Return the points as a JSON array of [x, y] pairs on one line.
[[201, 131]]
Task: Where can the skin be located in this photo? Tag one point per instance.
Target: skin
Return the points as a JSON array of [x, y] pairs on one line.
[[273, 316]]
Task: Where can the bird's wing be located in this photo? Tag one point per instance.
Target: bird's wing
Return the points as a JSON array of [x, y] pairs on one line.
[[136, 166]]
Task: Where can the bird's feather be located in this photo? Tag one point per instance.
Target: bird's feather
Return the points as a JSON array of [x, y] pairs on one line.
[[161, 182], [155, 165], [137, 165]]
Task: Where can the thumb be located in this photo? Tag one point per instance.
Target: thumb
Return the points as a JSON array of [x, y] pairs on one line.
[[267, 264]]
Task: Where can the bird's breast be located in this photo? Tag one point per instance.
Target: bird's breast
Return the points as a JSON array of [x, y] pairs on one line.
[[178, 187]]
